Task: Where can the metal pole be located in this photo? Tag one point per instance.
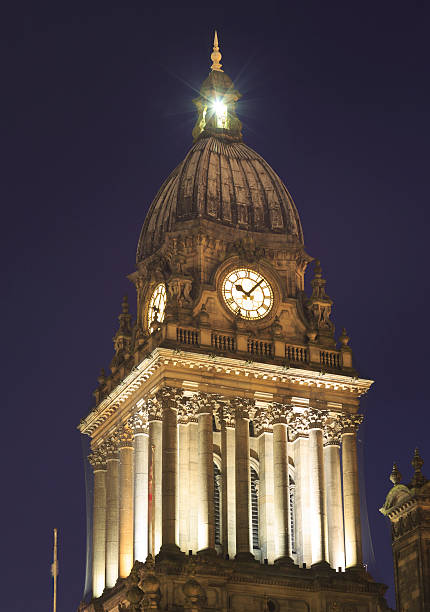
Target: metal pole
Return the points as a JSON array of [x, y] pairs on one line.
[[54, 571]]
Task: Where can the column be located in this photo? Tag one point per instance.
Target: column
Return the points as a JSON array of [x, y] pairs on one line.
[[206, 476], [243, 481], [266, 509], [168, 397], [154, 476], [98, 462], [316, 473], [229, 479], [126, 486], [139, 424], [112, 511], [333, 488], [351, 495], [303, 517], [193, 490], [183, 481], [282, 489]]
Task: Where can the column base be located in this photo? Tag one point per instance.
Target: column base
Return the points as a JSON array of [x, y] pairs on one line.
[[322, 566], [207, 552], [287, 561], [245, 557], [169, 552]]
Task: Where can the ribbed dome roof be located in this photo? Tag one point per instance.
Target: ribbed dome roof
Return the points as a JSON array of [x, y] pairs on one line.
[[226, 182]]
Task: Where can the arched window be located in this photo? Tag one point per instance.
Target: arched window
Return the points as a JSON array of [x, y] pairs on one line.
[[254, 508], [217, 503], [292, 487]]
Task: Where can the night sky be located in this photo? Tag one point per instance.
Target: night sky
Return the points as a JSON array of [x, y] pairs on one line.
[[95, 113]]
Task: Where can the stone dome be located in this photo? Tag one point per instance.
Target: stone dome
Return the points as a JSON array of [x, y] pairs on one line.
[[225, 182]]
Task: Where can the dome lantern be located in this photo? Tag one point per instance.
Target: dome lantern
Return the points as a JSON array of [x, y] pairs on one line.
[[216, 104]]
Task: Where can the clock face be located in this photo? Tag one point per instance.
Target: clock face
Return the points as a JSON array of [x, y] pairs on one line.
[[247, 293], [157, 305]]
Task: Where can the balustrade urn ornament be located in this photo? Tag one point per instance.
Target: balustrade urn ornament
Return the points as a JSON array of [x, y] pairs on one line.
[[395, 475]]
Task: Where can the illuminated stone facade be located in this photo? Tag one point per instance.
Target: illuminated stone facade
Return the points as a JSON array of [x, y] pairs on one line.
[[408, 508], [224, 439]]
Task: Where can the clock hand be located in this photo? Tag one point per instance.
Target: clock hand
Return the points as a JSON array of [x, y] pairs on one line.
[[249, 293]]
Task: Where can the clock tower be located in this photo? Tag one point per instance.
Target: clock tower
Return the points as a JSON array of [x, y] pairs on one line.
[[224, 439]]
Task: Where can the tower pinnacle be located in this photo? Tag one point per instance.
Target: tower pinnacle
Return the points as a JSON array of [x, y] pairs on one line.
[[216, 55]]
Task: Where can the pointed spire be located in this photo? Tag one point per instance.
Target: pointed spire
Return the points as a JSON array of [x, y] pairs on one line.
[[216, 55], [418, 479], [395, 475]]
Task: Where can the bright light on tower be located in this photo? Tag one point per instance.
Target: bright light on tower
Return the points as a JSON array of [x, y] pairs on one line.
[[221, 113]]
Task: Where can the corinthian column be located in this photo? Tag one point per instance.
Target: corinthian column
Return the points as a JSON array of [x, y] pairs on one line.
[[316, 471], [228, 469], [139, 425], [154, 476], [98, 462], [126, 501], [298, 427], [282, 488], [351, 494], [266, 514], [206, 475], [243, 481], [112, 511], [333, 487], [184, 484], [168, 397]]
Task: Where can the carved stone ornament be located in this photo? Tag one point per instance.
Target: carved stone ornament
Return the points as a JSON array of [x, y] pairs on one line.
[[351, 422], [112, 446], [125, 437], [179, 288], [316, 418], [97, 458], [247, 250], [332, 431], [195, 596], [263, 419], [169, 396], [228, 414], [243, 407], [280, 412], [154, 410], [138, 422], [298, 426]]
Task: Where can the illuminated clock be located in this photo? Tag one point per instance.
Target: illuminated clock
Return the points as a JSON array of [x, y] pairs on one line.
[[247, 293], [157, 305]]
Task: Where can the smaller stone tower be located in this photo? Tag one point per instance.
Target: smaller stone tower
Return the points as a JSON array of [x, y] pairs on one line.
[[408, 508]]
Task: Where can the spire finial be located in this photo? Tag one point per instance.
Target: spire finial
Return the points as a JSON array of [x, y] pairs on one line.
[[216, 55], [417, 463]]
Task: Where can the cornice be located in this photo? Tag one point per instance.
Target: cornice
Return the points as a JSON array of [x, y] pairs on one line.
[[193, 362]]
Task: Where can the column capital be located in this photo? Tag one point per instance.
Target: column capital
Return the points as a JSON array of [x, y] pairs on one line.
[[332, 431], [228, 414], [169, 395], [125, 437], [351, 422], [298, 426], [316, 418], [154, 410], [263, 419], [138, 422], [112, 446], [97, 458], [243, 407], [280, 412]]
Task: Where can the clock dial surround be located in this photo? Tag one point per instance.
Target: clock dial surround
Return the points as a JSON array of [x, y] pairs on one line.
[[157, 305], [247, 293]]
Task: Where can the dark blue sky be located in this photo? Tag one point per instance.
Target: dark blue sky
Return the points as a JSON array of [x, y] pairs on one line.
[[95, 112]]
